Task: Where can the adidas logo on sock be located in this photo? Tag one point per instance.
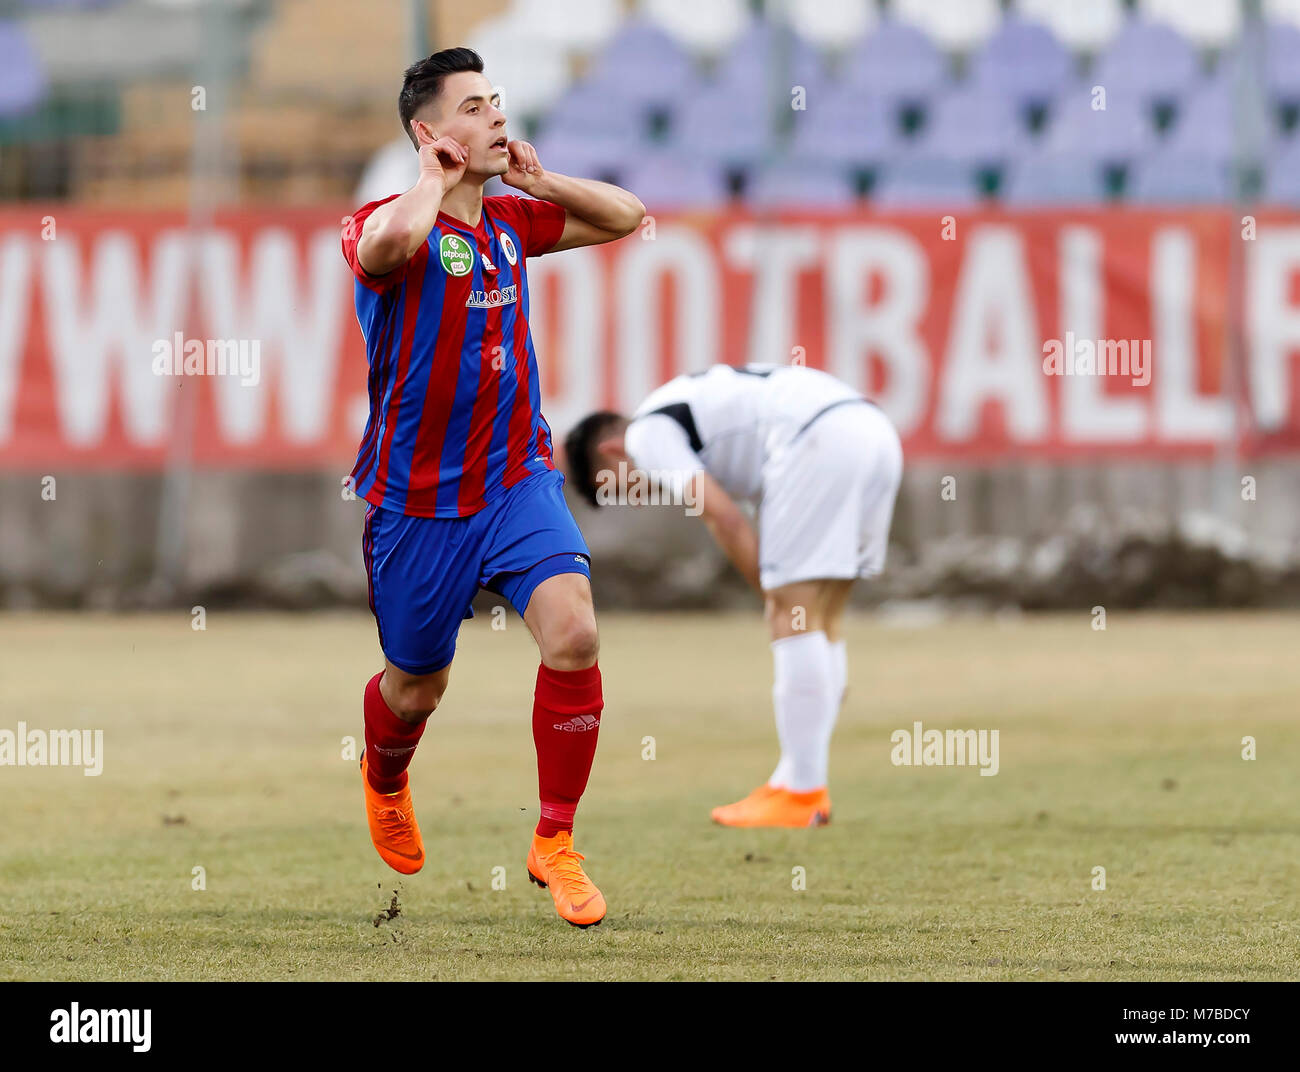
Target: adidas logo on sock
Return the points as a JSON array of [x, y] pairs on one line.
[[578, 724]]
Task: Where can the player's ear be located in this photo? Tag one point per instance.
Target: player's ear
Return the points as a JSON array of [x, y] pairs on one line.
[[423, 133], [612, 445]]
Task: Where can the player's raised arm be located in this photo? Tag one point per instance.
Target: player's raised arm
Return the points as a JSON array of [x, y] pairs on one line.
[[395, 231], [595, 212]]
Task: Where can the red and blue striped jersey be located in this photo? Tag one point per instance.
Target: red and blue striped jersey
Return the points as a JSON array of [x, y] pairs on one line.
[[455, 407]]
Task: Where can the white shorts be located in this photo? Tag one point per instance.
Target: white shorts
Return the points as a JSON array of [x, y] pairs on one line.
[[828, 499]]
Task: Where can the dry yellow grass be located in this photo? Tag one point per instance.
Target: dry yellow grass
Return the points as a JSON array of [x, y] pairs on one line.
[[222, 750]]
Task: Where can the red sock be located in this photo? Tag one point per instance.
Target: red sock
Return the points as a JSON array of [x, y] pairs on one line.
[[566, 723], [390, 742]]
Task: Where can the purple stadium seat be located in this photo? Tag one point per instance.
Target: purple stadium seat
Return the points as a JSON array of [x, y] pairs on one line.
[[972, 125], [590, 109], [670, 181], [796, 185], [1148, 59], [1174, 179], [1275, 59], [1047, 179], [1207, 124], [846, 128], [587, 156], [915, 181], [1123, 130], [896, 62], [1282, 176], [750, 64], [643, 64], [22, 82], [1282, 61], [722, 128], [1024, 61]]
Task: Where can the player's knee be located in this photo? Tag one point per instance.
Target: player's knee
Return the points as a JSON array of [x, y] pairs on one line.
[[572, 643], [791, 611], [414, 701]]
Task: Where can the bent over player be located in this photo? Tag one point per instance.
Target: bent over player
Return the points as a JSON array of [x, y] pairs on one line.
[[456, 461], [823, 466]]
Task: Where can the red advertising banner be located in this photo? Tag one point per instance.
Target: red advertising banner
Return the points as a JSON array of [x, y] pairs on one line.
[[985, 336]]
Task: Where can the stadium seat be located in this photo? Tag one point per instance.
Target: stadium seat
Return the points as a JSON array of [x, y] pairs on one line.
[[642, 63], [1119, 133], [795, 185], [1282, 176], [1024, 61], [1174, 179], [972, 125], [895, 62], [956, 25], [1148, 59], [753, 63], [847, 128], [1041, 179], [1210, 125], [668, 181], [1083, 25], [702, 27], [573, 26], [1281, 66], [915, 181], [22, 82], [1208, 23], [592, 110], [722, 128], [531, 73], [834, 25], [578, 153], [308, 50]]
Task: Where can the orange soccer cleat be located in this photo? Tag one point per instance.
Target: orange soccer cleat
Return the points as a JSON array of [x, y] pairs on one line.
[[393, 828], [553, 865], [769, 806]]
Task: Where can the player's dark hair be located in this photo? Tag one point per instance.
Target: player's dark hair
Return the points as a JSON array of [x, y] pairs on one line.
[[580, 450], [423, 81]]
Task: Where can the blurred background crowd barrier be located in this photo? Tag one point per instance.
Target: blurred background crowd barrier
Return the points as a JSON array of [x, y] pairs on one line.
[[920, 196]]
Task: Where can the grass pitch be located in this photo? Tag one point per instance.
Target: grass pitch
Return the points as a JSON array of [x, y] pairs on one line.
[[223, 751]]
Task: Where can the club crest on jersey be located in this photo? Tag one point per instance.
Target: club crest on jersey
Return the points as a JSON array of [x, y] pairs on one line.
[[456, 256], [508, 248]]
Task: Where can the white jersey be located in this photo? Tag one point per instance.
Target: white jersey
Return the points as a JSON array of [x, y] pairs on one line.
[[728, 421]]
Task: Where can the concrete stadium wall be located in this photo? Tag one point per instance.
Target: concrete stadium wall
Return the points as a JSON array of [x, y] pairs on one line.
[[1029, 535]]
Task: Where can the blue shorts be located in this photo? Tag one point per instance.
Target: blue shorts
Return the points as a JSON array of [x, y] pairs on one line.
[[425, 571]]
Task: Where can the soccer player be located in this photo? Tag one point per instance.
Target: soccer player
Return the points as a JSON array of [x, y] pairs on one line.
[[456, 461], [823, 465]]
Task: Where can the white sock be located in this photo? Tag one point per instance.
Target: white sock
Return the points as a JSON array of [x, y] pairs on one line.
[[805, 700], [839, 671]]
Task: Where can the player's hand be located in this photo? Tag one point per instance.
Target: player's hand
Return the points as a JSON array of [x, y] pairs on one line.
[[525, 170], [441, 158]]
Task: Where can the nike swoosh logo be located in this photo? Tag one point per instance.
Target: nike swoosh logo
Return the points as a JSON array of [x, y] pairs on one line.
[[580, 907]]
